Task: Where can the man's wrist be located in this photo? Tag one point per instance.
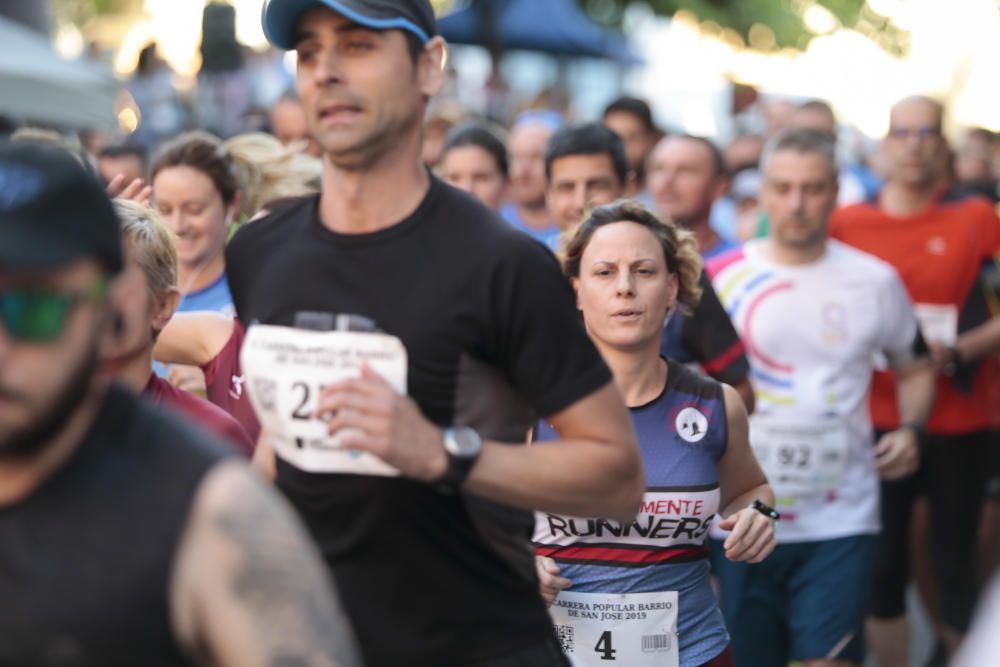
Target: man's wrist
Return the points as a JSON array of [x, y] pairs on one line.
[[915, 427]]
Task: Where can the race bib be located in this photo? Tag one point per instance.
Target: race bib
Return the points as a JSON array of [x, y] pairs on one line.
[[800, 457], [631, 629], [285, 370], [938, 323]]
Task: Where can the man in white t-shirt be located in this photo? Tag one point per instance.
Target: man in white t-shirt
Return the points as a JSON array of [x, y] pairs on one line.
[[816, 316]]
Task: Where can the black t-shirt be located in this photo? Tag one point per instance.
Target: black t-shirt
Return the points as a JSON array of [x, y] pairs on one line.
[[86, 559], [707, 337], [493, 341]]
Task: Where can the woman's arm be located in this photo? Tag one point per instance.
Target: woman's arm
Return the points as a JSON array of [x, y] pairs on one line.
[[193, 339], [742, 481]]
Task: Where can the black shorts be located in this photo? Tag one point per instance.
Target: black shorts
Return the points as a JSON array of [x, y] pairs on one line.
[[953, 476]]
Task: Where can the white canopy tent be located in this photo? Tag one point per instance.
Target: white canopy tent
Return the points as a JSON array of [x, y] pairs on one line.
[[37, 86]]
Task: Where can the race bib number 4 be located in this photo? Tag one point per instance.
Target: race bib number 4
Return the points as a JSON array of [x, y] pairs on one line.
[[285, 371], [632, 629], [800, 457]]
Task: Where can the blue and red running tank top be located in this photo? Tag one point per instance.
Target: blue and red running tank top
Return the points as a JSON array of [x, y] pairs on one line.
[[682, 434]]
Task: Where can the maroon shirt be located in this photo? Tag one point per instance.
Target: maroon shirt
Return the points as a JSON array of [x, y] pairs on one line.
[[224, 382], [212, 418]]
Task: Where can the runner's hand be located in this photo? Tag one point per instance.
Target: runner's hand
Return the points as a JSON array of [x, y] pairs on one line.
[[136, 191], [752, 536], [385, 424], [549, 581], [897, 454]]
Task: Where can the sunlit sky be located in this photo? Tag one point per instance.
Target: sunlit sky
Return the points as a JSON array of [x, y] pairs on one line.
[[955, 48]]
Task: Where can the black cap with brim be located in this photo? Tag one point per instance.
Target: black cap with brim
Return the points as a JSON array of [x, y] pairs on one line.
[[280, 17], [52, 212]]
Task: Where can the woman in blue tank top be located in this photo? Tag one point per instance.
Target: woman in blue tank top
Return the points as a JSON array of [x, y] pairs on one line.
[[639, 594]]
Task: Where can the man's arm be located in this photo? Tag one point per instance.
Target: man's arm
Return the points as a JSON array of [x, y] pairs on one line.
[[248, 587], [594, 470], [897, 453]]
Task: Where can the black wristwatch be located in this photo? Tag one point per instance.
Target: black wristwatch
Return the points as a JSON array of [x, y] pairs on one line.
[[766, 510], [463, 446]]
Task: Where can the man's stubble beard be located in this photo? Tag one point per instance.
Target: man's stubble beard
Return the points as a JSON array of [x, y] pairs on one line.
[[33, 439], [368, 152]]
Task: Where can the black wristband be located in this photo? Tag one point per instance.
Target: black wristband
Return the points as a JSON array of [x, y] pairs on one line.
[[767, 511], [918, 430]]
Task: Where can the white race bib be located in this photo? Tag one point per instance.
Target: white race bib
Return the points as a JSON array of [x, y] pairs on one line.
[[631, 629], [285, 369], [938, 323], [800, 457]]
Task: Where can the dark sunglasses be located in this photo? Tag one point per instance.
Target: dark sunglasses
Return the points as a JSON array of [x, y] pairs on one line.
[[33, 315]]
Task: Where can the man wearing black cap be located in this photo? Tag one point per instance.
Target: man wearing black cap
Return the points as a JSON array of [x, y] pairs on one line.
[[425, 519], [126, 537]]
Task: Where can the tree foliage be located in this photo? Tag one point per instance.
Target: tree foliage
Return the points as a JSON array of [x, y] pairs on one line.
[[769, 24]]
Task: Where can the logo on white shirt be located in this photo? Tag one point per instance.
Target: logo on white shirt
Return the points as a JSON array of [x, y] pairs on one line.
[[691, 424]]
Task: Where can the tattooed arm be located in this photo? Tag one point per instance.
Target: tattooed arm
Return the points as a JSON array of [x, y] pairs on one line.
[[249, 588]]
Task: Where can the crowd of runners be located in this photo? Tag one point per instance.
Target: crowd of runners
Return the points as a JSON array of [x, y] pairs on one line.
[[576, 393]]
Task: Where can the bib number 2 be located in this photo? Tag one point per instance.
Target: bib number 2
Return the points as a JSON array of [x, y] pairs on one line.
[[286, 371]]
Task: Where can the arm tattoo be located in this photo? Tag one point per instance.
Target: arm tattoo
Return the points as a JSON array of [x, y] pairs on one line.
[[284, 587]]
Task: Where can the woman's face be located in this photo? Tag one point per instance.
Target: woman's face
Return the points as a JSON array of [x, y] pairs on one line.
[[624, 289], [192, 207], [474, 170]]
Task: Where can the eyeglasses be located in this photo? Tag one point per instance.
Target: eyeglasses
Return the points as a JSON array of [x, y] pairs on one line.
[[35, 315], [921, 133]]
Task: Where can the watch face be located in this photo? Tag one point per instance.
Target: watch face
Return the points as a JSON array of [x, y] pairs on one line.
[[465, 442]]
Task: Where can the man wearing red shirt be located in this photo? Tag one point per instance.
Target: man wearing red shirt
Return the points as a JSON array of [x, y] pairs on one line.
[[938, 246]]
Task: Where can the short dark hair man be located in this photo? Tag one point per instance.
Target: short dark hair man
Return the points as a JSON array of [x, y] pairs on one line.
[[586, 167], [127, 159], [632, 120], [592, 170], [425, 527], [125, 535]]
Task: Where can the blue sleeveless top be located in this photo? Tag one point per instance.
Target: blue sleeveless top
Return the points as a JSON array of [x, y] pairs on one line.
[[682, 435]]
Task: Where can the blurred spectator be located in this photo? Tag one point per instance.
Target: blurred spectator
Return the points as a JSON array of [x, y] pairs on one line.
[[818, 115], [268, 172], [527, 209], [289, 124], [778, 114], [149, 247], [686, 176], [474, 159], [585, 166], [973, 167], [632, 120], [744, 195], [743, 152], [198, 196], [125, 158], [161, 113], [438, 124], [225, 87]]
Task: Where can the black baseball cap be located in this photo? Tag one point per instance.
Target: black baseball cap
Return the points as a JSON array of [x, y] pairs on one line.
[[52, 212], [279, 17]]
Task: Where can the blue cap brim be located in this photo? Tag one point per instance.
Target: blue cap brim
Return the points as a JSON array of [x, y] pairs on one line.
[[280, 17]]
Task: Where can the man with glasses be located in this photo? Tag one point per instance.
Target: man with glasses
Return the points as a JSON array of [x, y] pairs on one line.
[[938, 245], [126, 537]]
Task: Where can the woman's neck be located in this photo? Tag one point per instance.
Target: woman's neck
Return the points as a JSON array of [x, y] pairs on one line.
[[196, 277], [639, 374]]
